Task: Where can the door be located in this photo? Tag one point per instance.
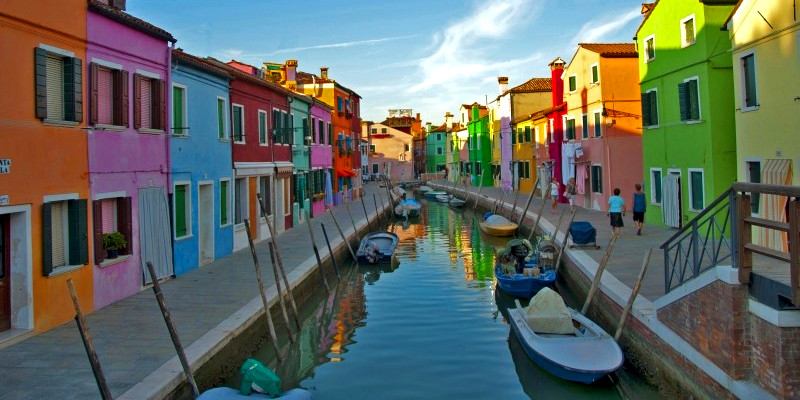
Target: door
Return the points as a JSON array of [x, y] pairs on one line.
[[280, 202], [672, 199], [5, 274], [154, 233], [205, 215]]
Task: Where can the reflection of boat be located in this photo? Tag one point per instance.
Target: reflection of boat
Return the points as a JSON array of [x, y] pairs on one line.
[[498, 225], [562, 341], [456, 202], [443, 198], [377, 247], [431, 194], [408, 208]]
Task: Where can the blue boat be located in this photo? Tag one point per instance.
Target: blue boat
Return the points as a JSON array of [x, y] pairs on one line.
[[525, 286], [408, 208], [377, 248]]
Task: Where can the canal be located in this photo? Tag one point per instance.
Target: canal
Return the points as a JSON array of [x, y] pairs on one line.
[[430, 325]]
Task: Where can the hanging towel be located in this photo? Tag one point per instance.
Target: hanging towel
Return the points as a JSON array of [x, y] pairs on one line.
[[580, 185]]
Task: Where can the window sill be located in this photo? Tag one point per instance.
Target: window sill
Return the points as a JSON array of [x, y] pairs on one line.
[[656, 204], [226, 225], [223, 140], [112, 128], [58, 122], [189, 236], [693, 121], [647, 60], [111, 261], [748, 109], [239, 227], [64, 270], [685, 45], [180, 136], [652, 126], [238, 142], [151, 131]]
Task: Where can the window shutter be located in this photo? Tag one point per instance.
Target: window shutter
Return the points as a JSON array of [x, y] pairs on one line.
[[40, 81], [146, 103], [103, 104], [97, 225], [223, 202], [160, 104], [73, 89], [220, 119], [595, 75], [125, 221], [94, 81], [47, 239], [527, 134], [78, 232], [646, 109], [121, 104], [180, 210], [694, 101], [653, 99], [177, 111], [55, 88], [683, 100], [137, 101]]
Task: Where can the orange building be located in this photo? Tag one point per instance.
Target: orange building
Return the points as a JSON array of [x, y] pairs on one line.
[[44, 186]]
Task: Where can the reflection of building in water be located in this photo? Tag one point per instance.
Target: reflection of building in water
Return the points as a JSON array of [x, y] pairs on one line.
[[482, 256]]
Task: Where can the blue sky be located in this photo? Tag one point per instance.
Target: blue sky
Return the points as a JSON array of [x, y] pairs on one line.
[[427, 55]]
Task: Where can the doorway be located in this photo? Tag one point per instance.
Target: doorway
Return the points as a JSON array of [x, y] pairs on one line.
[[205, 224], [672, 199], [5, 273]]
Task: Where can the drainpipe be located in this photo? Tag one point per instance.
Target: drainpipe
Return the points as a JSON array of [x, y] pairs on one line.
[[168, 114]]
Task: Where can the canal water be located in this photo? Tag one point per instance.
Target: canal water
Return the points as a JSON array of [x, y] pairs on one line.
[[431, 325]]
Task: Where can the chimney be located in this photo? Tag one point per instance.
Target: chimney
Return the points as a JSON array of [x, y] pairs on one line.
[[448, 120], [429, 127], [503, 81], [476, 112], [118, 4], [418, 117], [556, 82], [323, 72], [291, 74]]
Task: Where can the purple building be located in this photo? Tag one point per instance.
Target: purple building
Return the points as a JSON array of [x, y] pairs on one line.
[[321, 157], [128, 75]]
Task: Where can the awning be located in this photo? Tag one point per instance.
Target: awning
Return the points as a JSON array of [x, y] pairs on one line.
[[773, 207], [345, 172]]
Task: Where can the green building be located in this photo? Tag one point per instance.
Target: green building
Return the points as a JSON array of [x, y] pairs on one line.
[[688, 128], [435, 149], [480, 149]]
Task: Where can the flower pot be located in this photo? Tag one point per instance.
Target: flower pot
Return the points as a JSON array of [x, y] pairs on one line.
[[111, 254]]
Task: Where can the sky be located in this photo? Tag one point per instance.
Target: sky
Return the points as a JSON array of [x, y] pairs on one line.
[[427, 55]]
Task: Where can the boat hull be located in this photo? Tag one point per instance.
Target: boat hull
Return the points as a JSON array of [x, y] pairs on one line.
[[380, 252], [499, 230], [519, 285]]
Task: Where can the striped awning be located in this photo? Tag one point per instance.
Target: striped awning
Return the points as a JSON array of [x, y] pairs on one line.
[[773, 207]]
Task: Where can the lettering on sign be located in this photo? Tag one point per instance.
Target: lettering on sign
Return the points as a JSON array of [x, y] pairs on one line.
[[5, 165], [4, 200]]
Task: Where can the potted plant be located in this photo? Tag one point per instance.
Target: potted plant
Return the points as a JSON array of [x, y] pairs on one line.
[[113, 242]]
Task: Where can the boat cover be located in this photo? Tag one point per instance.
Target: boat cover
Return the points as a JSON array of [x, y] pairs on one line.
[[497, 220], [256, 376], [547, 313]]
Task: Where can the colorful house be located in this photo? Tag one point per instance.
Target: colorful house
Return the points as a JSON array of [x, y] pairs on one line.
[[689, 136], [44, 188], [435, 144], [458, 152], [546, 138], [765, 89], [523, 155], [321, 176], [200, 162], [480, 149], [129, 131], [299, 115], [602, 146], [389, 153]]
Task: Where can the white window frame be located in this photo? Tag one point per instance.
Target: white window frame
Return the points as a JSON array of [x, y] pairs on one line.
[[689, 183], [644, 44], [225, 127], [595, 125], [591, 73], [658, 110], [564, 127], [187, 210], [228, 202], [233, 134], [653, 199], [699, 105], [742, 83], [591, 178], [185, 123], [684, 43], [246, 211], [266, 128]]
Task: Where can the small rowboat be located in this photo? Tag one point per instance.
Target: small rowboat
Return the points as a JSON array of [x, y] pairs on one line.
[[226, 393], [498, 225], [377, 248], [408, 208], [562, 341], [443, 198], [431, 194], [456, 202], [522, 285]]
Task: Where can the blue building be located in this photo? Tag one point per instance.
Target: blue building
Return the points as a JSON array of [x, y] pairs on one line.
[[201, 169]]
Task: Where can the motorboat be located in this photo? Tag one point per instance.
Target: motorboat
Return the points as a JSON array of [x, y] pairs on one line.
[[456, 202], [443, 198], [498, 225], [518, 271], [377, 248], [408, 208]]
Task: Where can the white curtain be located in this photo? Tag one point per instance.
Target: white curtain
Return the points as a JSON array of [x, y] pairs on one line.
[[671, 200], [154, 232]]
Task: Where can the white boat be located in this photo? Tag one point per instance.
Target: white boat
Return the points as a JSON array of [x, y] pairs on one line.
[[408, 208], [456, 202], [562, 341], [443, 198], [424, 188]]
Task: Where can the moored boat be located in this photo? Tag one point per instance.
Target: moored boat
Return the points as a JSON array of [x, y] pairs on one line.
[[431, 194], [377, 248], [226, 393], [443, 198], [518, 271], [456, 202], [498, 225], [408, 208], [423, 188]]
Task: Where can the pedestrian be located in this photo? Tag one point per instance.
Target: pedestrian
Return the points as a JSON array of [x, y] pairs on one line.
[[569, 193], [639, 207], [616, 210], [554, 186]]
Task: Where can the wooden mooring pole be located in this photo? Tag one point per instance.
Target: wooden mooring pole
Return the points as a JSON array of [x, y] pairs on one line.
[[480, 187], [364, 206], [173, 333], [379, 212], [514, 204], [566, 238], [330, 250], [316, 251], [538, 217], [344, 238], [353, 221], [97, 369], [634, 293], [598, 274], [273, 337], [528, 203]]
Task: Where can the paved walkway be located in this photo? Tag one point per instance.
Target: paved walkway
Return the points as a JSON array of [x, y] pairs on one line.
[[131, 338]]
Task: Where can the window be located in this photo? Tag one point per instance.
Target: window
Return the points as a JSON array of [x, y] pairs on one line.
[[109, 95], [655, 185], [262, 127], [149, 111], [438, 136], [374, 168], [585, 126], [65, 240], [306, 134], [696, 189], [339, 104], [180, 126], [111, 215], [221, 118], [372, 148], [182, 210], [321, 131], [406, 147], [595, 74], [224, 196], [753, 169], [527, 134], [569, 131], [598, 121], [237, 120], [478, 169], [749, 97], [649, 48], [240, 200], [527, 170], [330, 134], [687, 31], [58, 85], [597, 179], [650, 108], [536, 137], [439, 150], [383, 130], [689, 99], [573, 83], [374, 130]]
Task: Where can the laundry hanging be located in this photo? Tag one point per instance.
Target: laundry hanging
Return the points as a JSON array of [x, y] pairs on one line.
[[671, 200], [580, 178]]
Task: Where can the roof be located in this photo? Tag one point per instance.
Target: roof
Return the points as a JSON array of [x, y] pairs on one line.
[[394, 122], [180, 56], [540, 113], [305, 78], [131, 21], [532, 85], [647, 9], [610, 50], [239, 74], [469, 106]]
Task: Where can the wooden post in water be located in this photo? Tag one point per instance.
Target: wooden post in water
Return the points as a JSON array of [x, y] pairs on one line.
[[598, 274], [499, 202], [635, 293], [173, 333], [344, 238], [558, 227], [514, 205], [273, 337], [316, 251], [538, 217], [566, 238], [364, 206], [480, 187], [375, 200], [353, 221], [99, 377], [330, 250]]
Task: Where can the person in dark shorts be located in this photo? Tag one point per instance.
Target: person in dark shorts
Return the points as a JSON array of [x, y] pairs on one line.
[[616, 210], [639, 207]]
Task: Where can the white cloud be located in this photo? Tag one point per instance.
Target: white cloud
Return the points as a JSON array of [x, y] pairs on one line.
[[596, 29], [342, 44]]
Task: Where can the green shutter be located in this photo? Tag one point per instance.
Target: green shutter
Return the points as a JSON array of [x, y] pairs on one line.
[[223, 203], [527, 134], [696, 179], [78, 232], [47, 239], [237, 123], [646, 119], [177, 111], [73, 89], [597, 122], [595, 75], [683, 100], [657, 185], [180, 210], [40, 81], [694, 101], [221, 118], [653, 101]]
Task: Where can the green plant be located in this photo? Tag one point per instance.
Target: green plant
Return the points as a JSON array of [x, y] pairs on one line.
[[114, 241]]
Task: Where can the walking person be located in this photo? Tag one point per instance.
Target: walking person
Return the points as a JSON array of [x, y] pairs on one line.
[[616, 210], [569, 193], [554, 186], [639, 207]]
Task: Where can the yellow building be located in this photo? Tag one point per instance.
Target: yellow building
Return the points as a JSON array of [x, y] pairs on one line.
[[523, 164]]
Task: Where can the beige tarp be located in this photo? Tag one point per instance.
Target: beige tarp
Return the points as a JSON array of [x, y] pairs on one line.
[[547, 313]]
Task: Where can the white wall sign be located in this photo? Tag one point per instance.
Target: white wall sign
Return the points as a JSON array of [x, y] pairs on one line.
[[4, 200], [5, 165]]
